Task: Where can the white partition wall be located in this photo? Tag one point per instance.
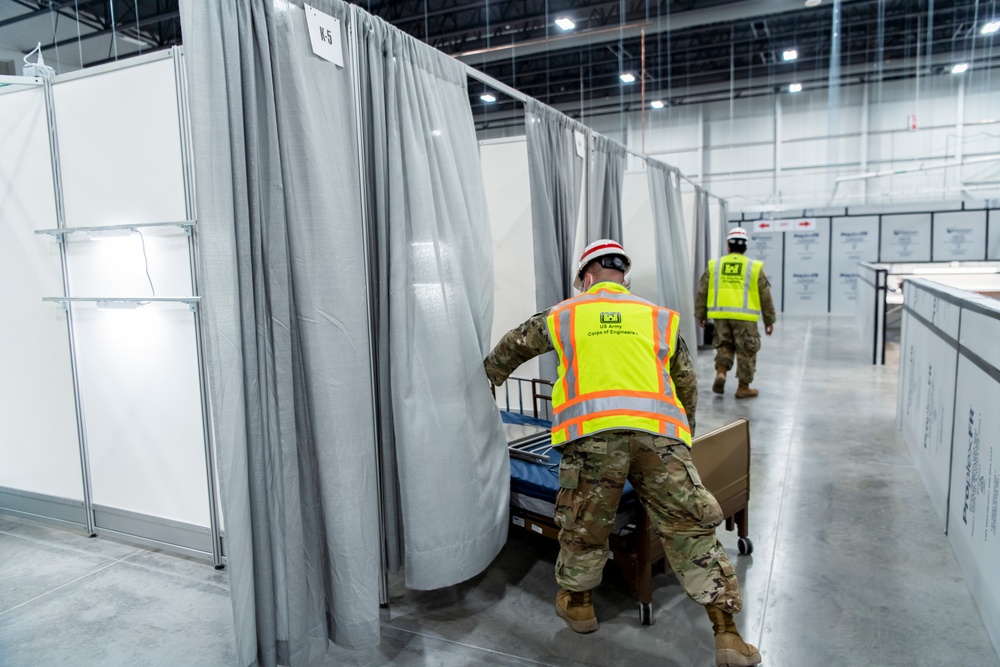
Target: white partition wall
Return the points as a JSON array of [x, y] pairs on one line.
[[508, 196], [638, 235], [927, 385], [807, 269], [770, 249], [852, 241], [138, 369], [993, 235], [117, 253], [40, 471], [906, 238], [975, 462], [949, 390], [959, 236]]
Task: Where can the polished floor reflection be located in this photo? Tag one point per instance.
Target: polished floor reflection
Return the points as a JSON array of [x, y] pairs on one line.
[[850, 566]]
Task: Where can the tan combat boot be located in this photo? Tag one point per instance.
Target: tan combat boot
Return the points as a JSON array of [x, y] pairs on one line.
[[730, 649], [577, 609], [744, 391], [720, 380]]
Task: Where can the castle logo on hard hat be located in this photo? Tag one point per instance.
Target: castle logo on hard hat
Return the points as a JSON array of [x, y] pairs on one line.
[[611, 318]]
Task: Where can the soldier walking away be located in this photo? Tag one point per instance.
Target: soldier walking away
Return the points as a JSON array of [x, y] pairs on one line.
[[624, 409], [734, 293]]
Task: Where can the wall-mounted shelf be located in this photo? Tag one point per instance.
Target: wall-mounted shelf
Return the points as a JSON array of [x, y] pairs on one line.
[[126, 301], [59, 232]]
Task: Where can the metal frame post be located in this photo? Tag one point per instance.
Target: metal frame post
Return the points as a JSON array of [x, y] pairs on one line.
[[191, 213], [81, 422]]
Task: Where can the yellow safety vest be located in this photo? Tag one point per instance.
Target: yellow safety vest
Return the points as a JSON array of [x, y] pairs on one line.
[[732, 288], [614, 366]]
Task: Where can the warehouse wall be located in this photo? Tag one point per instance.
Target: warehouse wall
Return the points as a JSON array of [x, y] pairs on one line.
[[786, 150]]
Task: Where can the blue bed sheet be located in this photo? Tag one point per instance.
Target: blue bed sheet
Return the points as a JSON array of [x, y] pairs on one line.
[[524, 420], [541, 480]]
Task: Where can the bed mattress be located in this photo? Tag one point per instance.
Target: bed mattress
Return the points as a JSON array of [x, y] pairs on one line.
[[540, 480]]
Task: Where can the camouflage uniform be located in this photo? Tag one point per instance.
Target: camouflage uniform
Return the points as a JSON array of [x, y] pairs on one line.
[[593, 472], [683, 512], [737, 338]]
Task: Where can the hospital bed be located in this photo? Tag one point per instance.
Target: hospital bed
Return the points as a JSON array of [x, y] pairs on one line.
[[722, 458]]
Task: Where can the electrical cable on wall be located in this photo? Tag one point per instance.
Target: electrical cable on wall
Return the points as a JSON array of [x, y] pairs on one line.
[[145, 259]]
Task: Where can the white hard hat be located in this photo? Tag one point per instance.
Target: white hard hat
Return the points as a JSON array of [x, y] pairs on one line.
[[738, 234], [595, 250]]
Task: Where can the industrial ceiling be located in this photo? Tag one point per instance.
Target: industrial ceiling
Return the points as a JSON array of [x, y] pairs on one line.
[[679, 51]]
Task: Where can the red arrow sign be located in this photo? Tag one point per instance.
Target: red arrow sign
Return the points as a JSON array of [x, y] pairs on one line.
[[804, 223], [764, 225]]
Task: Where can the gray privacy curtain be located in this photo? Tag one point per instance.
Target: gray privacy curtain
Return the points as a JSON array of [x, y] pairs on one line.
[[703, 241], [607, 173], [673, 267], [555, 171], [723, 224], [286, 328], [435, 305]]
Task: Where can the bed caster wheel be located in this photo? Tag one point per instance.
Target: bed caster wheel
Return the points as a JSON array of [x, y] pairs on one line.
[[645, 613], [745, 546]]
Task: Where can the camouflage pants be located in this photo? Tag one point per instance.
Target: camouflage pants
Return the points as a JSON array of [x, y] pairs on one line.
[[684, 514], [737, 338]]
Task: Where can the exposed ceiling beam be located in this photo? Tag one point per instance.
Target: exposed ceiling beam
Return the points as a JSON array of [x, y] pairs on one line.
[[54, 7], [680, 21], [165, 16]]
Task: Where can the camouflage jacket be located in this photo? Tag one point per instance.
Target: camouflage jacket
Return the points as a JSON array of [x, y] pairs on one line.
[[531, 339], [763, 289]]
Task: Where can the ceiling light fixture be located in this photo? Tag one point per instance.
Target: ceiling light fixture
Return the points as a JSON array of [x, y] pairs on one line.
[[990, 28], [121, 304], [627, 77], [486, 97], [657, 104], [959, 68], [813, 3], [794, 87], [101, 234], [790, 54], [565, 24]]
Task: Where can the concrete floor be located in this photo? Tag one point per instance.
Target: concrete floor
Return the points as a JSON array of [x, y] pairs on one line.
[[850, 565]]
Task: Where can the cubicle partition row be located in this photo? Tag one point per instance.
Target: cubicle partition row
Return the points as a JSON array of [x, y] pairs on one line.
[[104, 409], [811, 256], [880, 294], [949, 390], [870, 308]]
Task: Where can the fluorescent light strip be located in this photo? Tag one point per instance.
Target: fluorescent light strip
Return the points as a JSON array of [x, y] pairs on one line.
[[565, 24]]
